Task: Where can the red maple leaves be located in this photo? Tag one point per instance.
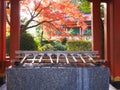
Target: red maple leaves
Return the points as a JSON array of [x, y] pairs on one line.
[[53, 15]]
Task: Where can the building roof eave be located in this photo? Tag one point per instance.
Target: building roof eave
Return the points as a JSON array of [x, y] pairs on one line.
[[99, 0]]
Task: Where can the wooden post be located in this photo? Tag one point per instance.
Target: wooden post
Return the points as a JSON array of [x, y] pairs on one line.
[[115, 39], [2, 35], [107, 34], [96, 27], [14, 27]]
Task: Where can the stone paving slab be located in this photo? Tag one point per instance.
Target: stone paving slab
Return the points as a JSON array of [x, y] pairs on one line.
[[4, 87]]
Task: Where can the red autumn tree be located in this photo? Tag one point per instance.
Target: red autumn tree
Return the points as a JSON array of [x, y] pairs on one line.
[[51, 15]]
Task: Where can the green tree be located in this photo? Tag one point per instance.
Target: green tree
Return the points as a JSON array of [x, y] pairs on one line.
[[85, 6]]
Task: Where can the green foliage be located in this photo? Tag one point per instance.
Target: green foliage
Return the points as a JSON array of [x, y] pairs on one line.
[[102, 10], [47, 47], [77, 45], [27, 42], [85, 6], [64, 41], [47, 42], [73, 31], [53, 45], [7, 44], [58, 46], [37, 41]]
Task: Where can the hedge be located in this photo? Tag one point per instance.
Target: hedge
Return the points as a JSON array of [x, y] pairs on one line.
[[76, 45], [53, 45]]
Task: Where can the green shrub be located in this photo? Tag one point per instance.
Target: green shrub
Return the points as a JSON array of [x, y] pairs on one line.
[[53, 45], [58, 46], [76, 45], [47, 47], [64, 41], [27, 42], [44, 42], [37, 41]]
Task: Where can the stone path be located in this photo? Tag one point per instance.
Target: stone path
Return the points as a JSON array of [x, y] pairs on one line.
[[4, 87]]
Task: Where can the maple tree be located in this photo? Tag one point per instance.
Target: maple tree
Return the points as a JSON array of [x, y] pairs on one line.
[[51, 15]]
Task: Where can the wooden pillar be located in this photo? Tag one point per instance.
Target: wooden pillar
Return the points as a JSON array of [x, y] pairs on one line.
[[96, 27], [115, 39], [2, 34], [107, 34], [14, 27]]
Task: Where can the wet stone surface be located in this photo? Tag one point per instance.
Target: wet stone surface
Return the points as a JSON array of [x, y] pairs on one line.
[[58, 78]]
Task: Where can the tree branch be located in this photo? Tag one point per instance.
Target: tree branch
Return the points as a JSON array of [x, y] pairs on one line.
[[37, 7], [39, 23], [29, 11], [38, 13], [34, 15]]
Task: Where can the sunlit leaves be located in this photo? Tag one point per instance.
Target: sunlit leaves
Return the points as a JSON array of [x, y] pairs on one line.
[[52, 15]]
